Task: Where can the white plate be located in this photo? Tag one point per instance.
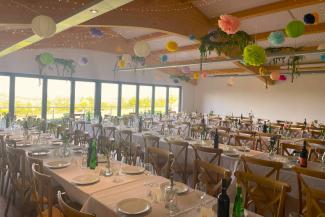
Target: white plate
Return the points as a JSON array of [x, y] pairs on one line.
[[133, 206], [19, 145], [86, 179], [180, 187], [132, 170], [230, 153], [40, 152], [57, 164]]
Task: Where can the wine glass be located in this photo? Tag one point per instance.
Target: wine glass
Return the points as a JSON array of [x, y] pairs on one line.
[[149, 168], [201, 190]]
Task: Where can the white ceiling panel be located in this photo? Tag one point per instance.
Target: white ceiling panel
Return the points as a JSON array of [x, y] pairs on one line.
[[132, 32]]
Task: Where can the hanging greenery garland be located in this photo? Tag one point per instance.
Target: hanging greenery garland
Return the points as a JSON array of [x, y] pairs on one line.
[[180, 77]]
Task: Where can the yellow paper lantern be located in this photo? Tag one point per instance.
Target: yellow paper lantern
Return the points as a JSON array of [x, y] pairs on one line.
[[43, 26], [121, 64], [275, 76], [196, 75], [171, 46]]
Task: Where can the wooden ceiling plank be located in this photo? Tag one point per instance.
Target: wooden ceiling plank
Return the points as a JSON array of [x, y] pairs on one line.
[[149, 37]]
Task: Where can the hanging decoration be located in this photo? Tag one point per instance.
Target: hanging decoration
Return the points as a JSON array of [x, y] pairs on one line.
[[276, 38], [310, 19], [321, 46], [229, 24], [176, 81], [275, 76], [186, 69], [196, 75], [164, 58], [83, 61], [142, 49], [118, 49], [254, 55], [295, 29], [283, 78], [46, 58], [96, 33], [191, 37], [121, 64], [127, 58], [322, 57], [180, 77], [204, 75], [43, 26], [48, 63], [171, 46], [231, 82]]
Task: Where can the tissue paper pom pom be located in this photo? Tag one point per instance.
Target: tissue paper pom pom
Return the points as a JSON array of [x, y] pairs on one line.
[[254, 55], [309, 19], [322, 57], [275, 76], [295, 29], [176, 81], [83, 61], [204, 75], [121, 64], [164, 58], [171, 46], [229, 24], [196, 75], [191, 37], [276, 38], [283, 78]]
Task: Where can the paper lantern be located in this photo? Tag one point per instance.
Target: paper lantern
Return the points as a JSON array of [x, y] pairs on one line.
[[118, 49], [171, 46], [254, 55], [83, 61], [204, 75], [142, 49], [316, 15], [186, 69], [46, 58], [231, 82], [283, 78], [191, 37], [276, 38], [196, 75], [127, 58], [229, 24], [309, 19], [322, 57], [295, 29], [176, 81], [43, 26], [164, 58], [275, 76], [121, 64], [96, 33]]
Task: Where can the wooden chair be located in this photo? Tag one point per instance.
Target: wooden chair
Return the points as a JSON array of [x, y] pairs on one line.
[[42, 185], [211, 175], [160, 159], [80, 137], [97, 130], [3, 163], [19, 184], [210, 155], [311, 199], [180, 152], [273, 166], [68, 211], [245, 140], [110, 132], [266, 195], [287, 149], [295, 132], [313, 144], [80, 125], [263, 141], [126, 148]]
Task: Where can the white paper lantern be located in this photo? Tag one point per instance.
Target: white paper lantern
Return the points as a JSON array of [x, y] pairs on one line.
[[142, 49], [43, 26]]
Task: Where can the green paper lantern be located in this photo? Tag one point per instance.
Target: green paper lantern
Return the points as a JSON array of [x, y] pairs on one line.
[[295, 29], [46, 58], [254, 55]]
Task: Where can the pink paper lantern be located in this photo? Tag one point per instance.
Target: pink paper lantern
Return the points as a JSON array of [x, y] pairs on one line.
[[283, 78], [229, 24], [275, 76]]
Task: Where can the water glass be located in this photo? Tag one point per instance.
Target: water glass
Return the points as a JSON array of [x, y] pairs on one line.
[[323, 162], [149, 168], [201, 190]]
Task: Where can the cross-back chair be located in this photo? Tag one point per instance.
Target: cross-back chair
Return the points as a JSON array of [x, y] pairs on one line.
[[126, 148], [80, 125], [180, 152], [287, 149], [247, 141], [97, 130], [211, 175], [160, 159], [265, 194], [311, 199], [314, 145], [210, 155], [263, 141]]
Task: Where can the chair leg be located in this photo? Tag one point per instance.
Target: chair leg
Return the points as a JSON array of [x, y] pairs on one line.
[[8, 203], [2, 181], [7, 182]]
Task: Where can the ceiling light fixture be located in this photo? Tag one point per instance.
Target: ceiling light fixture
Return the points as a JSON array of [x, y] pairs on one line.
[[94, 11]]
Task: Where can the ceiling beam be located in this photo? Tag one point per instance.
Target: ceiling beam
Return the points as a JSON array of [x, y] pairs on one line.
[[149, 37], [272, 8], [86, 14]]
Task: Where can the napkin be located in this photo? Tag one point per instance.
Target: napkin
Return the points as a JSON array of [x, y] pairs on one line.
[[207, 212]]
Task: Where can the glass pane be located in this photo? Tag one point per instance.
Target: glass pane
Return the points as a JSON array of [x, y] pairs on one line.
[[173, 99], [160, 99], [109, 99], [145, 98], [84, 97], [28, 97], [4, 94], [58, 98], [128, 99]]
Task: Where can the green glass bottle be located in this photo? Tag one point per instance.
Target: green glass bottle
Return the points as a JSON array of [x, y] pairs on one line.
[[93, 155], [238, 210]]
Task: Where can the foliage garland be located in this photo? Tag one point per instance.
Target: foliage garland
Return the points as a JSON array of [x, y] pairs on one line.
[[67, 65]]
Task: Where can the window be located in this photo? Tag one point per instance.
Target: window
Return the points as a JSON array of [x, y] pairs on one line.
[[145, 99], [128, 99], [4, 94], [58, 98], [84, 97], [160, 99], [173, 104], [109, 99], [28, 97]]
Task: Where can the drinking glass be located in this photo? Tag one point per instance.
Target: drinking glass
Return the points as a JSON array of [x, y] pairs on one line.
[[323, 162], [295, 214], [149, 168], [201, 190]]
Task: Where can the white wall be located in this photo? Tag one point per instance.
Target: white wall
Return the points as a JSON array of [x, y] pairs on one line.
[[285, 100], [100, 67]]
